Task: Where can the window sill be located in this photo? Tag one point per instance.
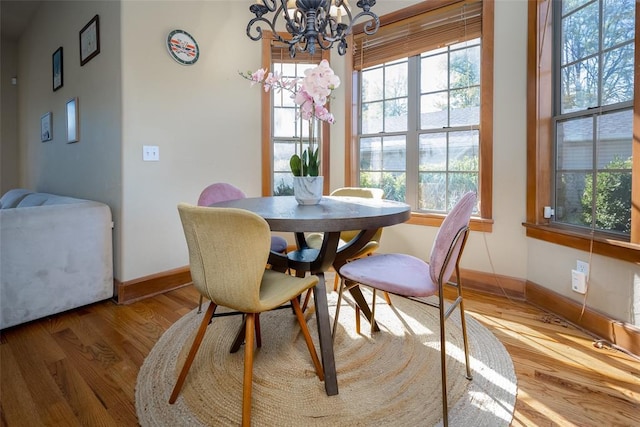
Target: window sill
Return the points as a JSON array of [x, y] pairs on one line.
[[612, 248], [435, 220]]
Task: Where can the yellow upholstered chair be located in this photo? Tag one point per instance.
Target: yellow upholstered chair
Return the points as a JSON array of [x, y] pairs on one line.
[[221, 192], [228, 250], [314, 240]]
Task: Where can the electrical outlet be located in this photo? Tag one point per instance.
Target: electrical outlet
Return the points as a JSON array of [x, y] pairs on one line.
[[583, 267], [578, 282]]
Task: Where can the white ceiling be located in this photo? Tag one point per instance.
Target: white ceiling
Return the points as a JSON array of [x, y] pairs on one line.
[[15, 16]]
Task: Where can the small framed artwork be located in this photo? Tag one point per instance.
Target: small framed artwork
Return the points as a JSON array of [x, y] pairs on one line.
[[90, 40], [73, 130], [46, 132], [58, 76]]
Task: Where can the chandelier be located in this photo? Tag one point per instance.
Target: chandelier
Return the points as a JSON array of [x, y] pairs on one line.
[[311, 22]]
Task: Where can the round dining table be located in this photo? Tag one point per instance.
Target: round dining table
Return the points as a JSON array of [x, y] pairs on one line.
[[330, 217]]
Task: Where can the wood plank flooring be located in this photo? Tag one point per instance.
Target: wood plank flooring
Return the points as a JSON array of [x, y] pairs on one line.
[[80, 368]]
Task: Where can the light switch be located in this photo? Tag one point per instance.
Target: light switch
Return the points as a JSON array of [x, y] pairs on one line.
[[150, 153]]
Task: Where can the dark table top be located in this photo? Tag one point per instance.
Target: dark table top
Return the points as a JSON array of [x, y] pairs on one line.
[[332, 214]]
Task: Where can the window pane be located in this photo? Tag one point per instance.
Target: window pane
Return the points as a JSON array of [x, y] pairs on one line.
[[372, 85], [394, 186], [581, 34], [613, 198], [394, 153], [288, 69], [618, 26], [465, 67], [282, 152], [569, 190], [459, 184], [434, 111], [433, 190], [284, 122], [372, 118], [617, 75], [433, 73], [465, 107], [574, 141], [370, 154], [615, 138], [569, 5], [463, 151], [433, 152], [282, 184], [580, 85], [395, 115], [371, 179], [395, 80]]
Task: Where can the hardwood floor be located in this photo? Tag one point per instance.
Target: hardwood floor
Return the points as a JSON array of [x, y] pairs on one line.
[[80, 367]]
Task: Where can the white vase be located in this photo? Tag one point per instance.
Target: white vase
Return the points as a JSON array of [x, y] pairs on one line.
[[308, 189]]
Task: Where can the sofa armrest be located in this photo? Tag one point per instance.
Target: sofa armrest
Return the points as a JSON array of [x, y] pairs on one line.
[[54, 258]]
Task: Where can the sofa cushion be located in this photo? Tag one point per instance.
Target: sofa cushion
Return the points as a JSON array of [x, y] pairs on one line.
[[12, 198], [45, 199]]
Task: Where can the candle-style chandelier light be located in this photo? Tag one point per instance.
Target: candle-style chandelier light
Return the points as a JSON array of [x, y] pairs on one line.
[[311, 22]]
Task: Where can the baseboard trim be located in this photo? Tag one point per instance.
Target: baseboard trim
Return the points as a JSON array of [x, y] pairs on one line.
[[148, 286], [493, 284], [614, 331]]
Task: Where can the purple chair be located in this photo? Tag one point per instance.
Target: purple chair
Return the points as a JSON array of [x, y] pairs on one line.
[[221, 192], [411, 277]]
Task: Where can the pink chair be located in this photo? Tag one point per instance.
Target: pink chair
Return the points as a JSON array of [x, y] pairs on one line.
[[221, 192], [411, 277]]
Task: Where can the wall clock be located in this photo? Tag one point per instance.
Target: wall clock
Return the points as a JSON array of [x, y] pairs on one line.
[[183, 47]]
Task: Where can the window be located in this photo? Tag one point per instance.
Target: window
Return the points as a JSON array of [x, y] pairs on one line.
[[288, 127], [593, 114], [281, 122], [583, 125], [419, 130]]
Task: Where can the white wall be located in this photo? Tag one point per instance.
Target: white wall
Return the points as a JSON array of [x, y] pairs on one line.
[[206, 121], [9, 149], [205, 118], [90, 168]]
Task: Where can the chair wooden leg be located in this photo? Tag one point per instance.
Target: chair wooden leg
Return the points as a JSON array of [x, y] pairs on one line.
[[307, 338], [192, 352], [247, 381], [388, 298], [258, 334], [307, 298], [357, 319], [200, 305], [335, 282]]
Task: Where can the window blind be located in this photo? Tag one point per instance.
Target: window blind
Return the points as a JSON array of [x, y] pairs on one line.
[[454, 23], [280, 53]]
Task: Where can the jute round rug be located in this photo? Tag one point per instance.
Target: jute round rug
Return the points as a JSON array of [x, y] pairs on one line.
[[391, 378]]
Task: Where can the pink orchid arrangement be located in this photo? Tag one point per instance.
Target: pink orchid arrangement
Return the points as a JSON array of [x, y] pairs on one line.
[[310, 93]]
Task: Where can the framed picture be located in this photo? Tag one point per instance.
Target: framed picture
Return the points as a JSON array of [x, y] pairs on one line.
[[73, 130], [46, 132], [90, 40], [56, 63]]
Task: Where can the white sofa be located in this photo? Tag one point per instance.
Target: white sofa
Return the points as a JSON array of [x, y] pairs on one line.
[[55, 254]]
